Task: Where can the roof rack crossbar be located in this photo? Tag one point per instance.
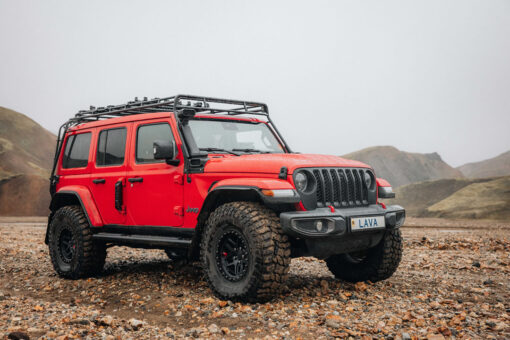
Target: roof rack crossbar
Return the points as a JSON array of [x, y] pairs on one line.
[[198, 103]]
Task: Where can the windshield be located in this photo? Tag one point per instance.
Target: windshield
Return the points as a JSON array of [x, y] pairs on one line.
[[234, 136]]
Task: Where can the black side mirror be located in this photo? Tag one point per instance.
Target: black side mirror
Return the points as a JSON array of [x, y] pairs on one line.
[[165, 149]]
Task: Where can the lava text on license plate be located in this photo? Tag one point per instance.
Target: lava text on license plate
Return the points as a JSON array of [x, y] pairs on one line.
[[369, 222]]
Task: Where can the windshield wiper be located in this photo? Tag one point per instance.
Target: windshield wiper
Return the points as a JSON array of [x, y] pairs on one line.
[[251, 150], [220, 150]]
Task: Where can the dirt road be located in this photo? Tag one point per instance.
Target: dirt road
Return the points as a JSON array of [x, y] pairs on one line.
[[454, 281]]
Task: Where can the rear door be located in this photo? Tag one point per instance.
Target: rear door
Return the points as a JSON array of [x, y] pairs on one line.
[[75, 165], [108, 180], [154, 188]]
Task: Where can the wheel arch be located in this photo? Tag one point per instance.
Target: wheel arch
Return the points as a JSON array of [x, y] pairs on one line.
[[75, 195], [216, 197]]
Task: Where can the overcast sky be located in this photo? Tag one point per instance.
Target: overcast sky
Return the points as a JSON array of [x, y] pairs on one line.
[[338, 76]]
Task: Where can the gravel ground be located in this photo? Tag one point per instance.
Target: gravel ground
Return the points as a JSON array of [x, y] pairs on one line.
[[453, 283]]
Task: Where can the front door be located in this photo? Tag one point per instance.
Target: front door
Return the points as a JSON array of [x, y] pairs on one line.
[[154, 188], [108, 177]]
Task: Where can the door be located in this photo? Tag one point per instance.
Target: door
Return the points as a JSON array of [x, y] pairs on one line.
[[109, 173], [154, 188], [75, 165]]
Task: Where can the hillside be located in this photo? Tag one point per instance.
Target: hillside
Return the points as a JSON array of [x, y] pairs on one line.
[[24, 195], [401, 168], [497, 166], [487, 198], [26, 152]]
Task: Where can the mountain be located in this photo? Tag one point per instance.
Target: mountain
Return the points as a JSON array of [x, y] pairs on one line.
[[417, 197], [24, 195], [26, 154], [401, 168], [485, 198], [497, 166]]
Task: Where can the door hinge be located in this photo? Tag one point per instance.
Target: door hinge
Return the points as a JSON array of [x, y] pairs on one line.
[[179, 211], [179, 179]]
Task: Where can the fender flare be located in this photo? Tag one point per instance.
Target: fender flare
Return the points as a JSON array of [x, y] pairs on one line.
[[384, 189], [259, 183], [249, 188], [254, 186], [75, 194], [381, 182], [87, 203]]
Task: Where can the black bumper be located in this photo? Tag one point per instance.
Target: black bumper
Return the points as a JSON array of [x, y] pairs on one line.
[[336, 236]]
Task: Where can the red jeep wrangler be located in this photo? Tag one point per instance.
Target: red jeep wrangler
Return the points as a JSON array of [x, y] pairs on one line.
[[213, 179]]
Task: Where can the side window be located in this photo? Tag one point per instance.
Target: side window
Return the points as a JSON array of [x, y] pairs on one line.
[[111, 147], [145, 137], [76, 153]]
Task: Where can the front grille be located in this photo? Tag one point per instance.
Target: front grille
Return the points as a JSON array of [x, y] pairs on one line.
[[341, 187]]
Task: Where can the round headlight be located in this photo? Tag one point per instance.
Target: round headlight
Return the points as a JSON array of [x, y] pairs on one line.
[[368, 180], [301, 181]]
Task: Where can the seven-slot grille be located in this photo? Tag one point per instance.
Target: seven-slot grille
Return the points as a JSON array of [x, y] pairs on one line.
[[341, 187]]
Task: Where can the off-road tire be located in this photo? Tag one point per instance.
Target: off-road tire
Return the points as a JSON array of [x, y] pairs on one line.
[[269, 252], [378, 263], [88, 257]]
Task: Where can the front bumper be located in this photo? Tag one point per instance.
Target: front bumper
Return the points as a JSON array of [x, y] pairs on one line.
[[336, 236], [301, 224]]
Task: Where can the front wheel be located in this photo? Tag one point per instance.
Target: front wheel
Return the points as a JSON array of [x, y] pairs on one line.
[[374, 264], [244, 253], [73, 252]]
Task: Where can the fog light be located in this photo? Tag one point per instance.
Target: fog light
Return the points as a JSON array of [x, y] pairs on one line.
[[312, 226], [319, 226]]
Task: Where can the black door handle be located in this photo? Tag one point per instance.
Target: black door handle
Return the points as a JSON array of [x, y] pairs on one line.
[[99, 181], [135, 179], [118, 196]]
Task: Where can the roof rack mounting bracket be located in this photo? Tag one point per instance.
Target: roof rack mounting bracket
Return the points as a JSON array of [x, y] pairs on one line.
[[186, 114]]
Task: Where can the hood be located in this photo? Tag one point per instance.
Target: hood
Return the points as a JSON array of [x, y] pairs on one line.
[[272, 163]]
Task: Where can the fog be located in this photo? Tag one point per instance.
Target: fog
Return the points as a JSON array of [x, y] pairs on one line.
[[338, 76]]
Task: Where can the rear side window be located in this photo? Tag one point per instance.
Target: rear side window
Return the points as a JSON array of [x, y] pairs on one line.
[[111, 147], [145, 138], [76, 153]]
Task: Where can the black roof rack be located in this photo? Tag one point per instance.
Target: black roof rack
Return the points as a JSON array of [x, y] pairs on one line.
[[199, 104], [204, 105]]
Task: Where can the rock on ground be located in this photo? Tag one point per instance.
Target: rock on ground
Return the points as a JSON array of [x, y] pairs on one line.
[[452, 283]]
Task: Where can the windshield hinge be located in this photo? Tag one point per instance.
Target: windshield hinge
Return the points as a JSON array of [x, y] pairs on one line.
[[283, 173]]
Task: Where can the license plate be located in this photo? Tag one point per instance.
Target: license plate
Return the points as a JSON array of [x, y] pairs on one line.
[[369, 222]]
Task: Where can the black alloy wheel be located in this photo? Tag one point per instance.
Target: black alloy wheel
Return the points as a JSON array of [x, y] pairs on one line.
[[66, 245], [232, 255]]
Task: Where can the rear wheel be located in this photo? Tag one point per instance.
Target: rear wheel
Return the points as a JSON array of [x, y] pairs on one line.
[[374, 264], [244, 253], [73, 252]]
